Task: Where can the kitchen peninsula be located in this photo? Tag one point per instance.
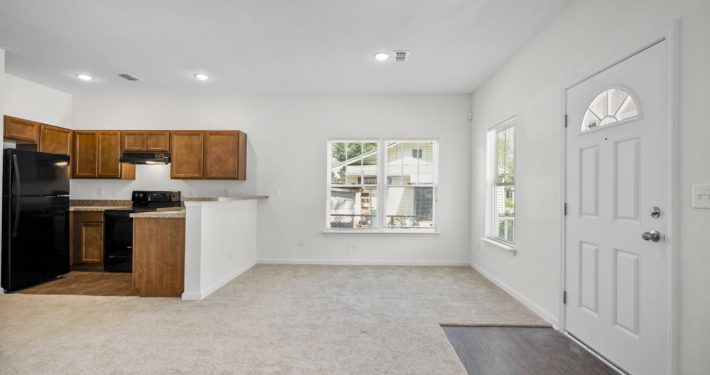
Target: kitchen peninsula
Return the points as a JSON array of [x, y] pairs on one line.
[[213, 239]]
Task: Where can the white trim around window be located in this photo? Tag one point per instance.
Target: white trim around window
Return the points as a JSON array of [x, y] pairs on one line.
[[360, 182], [501, 220]]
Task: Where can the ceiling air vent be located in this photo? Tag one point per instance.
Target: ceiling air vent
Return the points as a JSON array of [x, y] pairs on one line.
[[400, 56], [128, 77]]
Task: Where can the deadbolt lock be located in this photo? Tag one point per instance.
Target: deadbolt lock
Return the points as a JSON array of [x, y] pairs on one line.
[[655, 212]]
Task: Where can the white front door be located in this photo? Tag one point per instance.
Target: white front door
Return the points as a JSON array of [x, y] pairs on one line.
[[617, 189]]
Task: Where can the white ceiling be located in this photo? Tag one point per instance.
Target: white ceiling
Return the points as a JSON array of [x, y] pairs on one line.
[[265, 46]]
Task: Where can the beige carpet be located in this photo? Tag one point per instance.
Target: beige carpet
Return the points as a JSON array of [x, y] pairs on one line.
[[271, 320]]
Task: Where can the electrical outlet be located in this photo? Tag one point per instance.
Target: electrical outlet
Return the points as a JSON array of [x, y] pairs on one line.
[[701, 196], [276, 193], [100, 191], [352, 249], [301, 242]]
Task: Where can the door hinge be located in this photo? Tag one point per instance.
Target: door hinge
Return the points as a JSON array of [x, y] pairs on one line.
[[565, 121], [564, 297], [565, 208]]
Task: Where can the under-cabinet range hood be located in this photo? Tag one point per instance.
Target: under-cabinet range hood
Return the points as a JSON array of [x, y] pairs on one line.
[[145, 157]]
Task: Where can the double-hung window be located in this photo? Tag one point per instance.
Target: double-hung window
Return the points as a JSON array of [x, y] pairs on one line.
[[410, 184], [501, 197], [352, 191], [403, 172]]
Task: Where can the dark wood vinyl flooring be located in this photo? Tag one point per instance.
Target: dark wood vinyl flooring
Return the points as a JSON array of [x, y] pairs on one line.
[[522, 350], [87, 284]]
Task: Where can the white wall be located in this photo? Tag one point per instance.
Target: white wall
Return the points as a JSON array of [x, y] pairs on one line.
[[287, 152], [32, 101], [220, 244], [585, 36]]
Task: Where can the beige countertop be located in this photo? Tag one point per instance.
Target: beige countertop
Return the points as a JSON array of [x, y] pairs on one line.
[[98, 208], [223, 199], [167, 212], [99, 204]]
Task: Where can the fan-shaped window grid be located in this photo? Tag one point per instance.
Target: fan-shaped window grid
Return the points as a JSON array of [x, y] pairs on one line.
[[610, 107]]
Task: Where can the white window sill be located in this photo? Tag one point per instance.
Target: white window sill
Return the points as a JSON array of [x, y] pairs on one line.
[[500, 244], [381, 231]]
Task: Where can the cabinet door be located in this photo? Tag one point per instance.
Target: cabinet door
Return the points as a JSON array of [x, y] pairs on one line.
[[221, 150], [133, 141], [92, 242], [85, 161], [21, 130], [187, 154], [157, 141], [109, 154], [55, 140], [87, 239]]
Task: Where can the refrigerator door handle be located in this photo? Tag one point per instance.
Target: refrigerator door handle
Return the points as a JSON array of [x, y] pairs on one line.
[[16, 174]]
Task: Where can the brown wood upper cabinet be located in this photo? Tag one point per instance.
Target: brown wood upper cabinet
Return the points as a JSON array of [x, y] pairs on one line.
[[215, 155], [187, 153], [145, 141], [97, 154], [85, 160], [21, 130], [109, 153], [157, 141], [55, 140], [133, 141], [225, 155]]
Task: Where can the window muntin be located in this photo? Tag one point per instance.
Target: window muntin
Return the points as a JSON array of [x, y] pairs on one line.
[[502, 192], [406, 180], [410, 184], [352, 190], [610, 107]]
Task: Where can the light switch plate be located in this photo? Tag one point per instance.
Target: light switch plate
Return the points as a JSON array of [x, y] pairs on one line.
[[701, 196]]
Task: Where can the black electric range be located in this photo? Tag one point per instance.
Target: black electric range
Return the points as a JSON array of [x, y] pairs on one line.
[[118, 227]]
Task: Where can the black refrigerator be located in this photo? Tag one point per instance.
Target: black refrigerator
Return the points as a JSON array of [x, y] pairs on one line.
[[35, 230]]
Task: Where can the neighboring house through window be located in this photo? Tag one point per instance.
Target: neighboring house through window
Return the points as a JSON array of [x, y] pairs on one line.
[[353, 185], [409, 185], [501, 196]]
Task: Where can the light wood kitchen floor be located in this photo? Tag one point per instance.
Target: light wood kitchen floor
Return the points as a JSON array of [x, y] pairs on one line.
[[88, 284]]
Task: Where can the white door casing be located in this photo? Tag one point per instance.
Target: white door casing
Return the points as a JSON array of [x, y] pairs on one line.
[[617, 282]]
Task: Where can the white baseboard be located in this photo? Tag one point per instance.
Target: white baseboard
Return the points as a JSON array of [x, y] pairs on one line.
[[194, 296], [363, 262], [539, 311]]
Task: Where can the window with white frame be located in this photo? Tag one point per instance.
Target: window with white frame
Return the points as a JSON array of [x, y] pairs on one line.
[[410, 184], [352, 190], [407, 179], [501, 196]]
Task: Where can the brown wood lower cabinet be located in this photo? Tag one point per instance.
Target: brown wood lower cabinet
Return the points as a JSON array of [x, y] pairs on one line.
[[86, 237], [159, 256]]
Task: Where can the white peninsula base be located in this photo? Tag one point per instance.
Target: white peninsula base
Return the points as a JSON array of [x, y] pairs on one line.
[[220, 242]]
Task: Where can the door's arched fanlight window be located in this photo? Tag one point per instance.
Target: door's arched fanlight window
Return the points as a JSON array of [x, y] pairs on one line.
[[609, 107]]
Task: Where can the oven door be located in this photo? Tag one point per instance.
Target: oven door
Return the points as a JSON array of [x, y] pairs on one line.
[[118, 241]]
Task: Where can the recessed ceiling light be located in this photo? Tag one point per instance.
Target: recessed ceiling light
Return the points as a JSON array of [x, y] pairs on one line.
[[84, 77], [202, 76], [381, 56]]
